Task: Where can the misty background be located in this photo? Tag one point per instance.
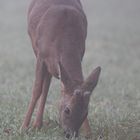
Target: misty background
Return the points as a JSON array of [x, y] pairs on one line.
[[113, 42]]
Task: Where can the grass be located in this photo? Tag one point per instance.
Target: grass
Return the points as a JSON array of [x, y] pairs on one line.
[[113, 43]]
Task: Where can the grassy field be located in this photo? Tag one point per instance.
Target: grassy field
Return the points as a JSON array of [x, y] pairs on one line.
[[113, 43]]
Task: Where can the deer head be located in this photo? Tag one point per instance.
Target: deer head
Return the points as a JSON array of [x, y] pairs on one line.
[[74, 106]]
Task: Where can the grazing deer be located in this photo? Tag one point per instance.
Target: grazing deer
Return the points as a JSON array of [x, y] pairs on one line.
[[58, 30]]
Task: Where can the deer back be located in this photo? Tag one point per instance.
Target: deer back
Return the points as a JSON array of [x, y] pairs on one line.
[[59, 29]]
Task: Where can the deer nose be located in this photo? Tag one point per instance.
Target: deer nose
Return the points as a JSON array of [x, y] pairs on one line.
[[67, 135]]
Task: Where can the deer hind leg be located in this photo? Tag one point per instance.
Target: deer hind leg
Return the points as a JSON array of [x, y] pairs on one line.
[[86, 128], [40, 110], [37, 90]]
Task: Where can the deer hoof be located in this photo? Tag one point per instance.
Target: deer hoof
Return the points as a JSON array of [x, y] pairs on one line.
[[37, 125], [23, 129], [88, 135]]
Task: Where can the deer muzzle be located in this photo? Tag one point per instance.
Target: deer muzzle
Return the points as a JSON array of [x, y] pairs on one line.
[[69, 134]]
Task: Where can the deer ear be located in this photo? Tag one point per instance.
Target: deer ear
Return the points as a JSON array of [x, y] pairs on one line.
[[86, 97], [91, 82]]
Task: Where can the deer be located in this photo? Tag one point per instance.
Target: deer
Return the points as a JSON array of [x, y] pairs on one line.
[[58, 32]]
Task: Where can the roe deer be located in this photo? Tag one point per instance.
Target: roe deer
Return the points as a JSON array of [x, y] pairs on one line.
[[58, 30]]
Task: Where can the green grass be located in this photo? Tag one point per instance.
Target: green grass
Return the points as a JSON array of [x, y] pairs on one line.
[[113, 43]]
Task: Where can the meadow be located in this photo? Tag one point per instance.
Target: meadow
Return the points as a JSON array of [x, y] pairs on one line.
[[113, 42]]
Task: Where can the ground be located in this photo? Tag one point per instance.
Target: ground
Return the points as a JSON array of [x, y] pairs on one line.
[[113, 43]]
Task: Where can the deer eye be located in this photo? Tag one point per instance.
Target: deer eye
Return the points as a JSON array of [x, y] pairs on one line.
[[67, 110]]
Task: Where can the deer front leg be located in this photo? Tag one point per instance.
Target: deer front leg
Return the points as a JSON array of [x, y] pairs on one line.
[[86, 128], [39, 115], [37, 89]]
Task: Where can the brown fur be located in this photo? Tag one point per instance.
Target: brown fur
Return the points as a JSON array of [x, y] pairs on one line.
[[58, 30]]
